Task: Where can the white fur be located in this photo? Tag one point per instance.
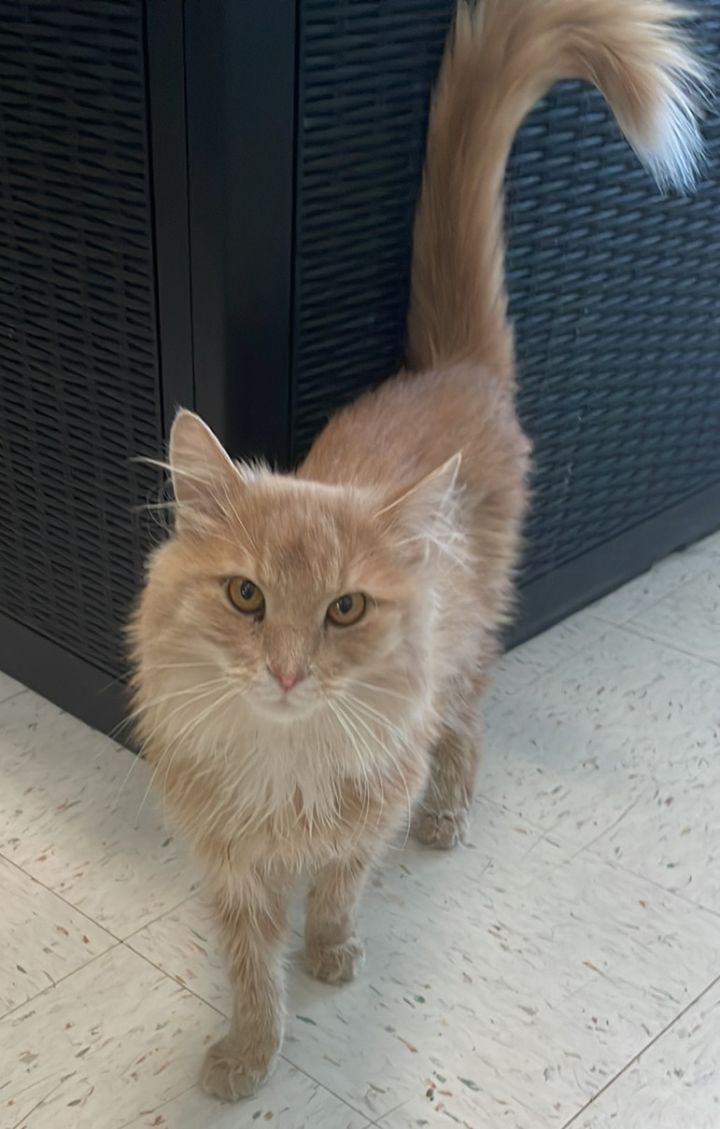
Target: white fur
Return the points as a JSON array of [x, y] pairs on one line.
[[675, 152], [261, 765]]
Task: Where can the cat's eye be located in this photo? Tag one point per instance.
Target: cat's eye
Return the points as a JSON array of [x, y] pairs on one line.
[[348, 609], [245, 596]]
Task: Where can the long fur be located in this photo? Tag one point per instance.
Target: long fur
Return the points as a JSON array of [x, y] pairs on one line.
[[414, 496], [502, 56]]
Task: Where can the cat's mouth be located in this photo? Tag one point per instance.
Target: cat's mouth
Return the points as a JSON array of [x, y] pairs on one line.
[[286, 706]]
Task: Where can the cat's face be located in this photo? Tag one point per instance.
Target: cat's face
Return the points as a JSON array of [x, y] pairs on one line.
[[298, 595]]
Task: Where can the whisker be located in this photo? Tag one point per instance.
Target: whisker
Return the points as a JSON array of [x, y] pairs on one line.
[[141, 709], [179, 666], [387, 752], [383, 690], [345, 724], [165, 719], [140, 755], [189, 728], [371, 712]]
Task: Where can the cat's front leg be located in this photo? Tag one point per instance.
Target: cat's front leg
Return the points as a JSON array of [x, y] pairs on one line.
[[333, 951], [252, 924]]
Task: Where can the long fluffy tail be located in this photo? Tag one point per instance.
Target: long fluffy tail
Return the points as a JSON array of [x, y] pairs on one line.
[[501, 57]]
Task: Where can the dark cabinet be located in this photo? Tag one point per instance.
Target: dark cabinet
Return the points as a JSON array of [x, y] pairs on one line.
[[211, 204]]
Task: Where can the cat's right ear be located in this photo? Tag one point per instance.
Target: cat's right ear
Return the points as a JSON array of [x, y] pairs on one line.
[[202, 471]]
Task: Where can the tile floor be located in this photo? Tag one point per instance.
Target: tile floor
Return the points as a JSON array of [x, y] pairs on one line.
[[563, 970]]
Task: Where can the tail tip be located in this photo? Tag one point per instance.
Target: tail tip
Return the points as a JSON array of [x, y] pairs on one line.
[[676, 154]]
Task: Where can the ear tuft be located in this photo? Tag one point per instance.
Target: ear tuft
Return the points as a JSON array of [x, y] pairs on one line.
[[201, 469], [422, 519], [430, 491]]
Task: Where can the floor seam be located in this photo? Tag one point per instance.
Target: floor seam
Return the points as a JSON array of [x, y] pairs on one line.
[[147, 1112], [158, 917], [174, 979], [389, 1113], [646, 878], [632, 629], [63, 899], [60, 980], [675, 588], [283, 1055], [106, 929], [640, 1053], [546, 671], [15, 694], [328, 1090]]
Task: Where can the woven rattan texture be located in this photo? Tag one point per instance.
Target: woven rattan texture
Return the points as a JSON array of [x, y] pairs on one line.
[[78, 357], [615, 291]]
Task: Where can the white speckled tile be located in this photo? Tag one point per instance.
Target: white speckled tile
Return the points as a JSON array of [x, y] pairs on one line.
[[675, 1084], [582, 746], [93, 1052], [516, 670], [42, 939], [506, 984], [9, 687], [67, 819], [290, 1101], [666, 576], [183, 943], [688, 619], [482, 967], [672, 835], [710, 546]]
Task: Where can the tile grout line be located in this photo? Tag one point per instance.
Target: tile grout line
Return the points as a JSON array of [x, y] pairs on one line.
[[60, 980], [672, 591], [158, 917], [174, 980], [224, 1015], [496, 679], [632, 629], [117, 942], [590, 848], [289, 1062], [343, 1101], [123, 942], [640, 1053], [15, 694], [148, 1112], [71, 905], [378, 1121]]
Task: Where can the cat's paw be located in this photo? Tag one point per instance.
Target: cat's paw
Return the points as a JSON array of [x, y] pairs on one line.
[[335, 964], [441, 829], [233, 1071]]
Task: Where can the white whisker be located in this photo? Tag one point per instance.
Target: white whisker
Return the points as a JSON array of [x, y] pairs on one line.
[[177, 743]]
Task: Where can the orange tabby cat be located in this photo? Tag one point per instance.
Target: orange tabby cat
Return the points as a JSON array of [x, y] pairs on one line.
[[310, 649]]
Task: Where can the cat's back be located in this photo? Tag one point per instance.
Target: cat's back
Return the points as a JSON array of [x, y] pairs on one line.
[[413, 423]]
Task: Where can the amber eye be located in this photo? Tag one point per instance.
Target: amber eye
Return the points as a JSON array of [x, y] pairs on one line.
[[245, 596], [348, 609]]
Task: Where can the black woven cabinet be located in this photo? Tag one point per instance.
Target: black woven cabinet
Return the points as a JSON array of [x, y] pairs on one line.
[[211, 203]]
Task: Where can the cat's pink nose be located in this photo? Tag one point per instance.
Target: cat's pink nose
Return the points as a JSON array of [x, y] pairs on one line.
[[286, 679]]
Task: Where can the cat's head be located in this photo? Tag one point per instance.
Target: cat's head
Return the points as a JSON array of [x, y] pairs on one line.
[[296, 595]]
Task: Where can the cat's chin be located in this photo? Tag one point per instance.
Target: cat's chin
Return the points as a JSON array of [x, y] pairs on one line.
[[286, 710]]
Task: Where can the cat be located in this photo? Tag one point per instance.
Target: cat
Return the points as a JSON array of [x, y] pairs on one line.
[[310, 649]]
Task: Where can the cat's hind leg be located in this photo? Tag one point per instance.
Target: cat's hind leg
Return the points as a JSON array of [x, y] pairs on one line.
[[442, 818]]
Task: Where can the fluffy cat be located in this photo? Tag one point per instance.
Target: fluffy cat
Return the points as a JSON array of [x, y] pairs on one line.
[[310, 649]]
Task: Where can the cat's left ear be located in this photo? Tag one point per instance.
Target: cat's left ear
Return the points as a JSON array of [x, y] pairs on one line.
[[426, 502], [202, 470]]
